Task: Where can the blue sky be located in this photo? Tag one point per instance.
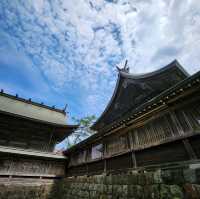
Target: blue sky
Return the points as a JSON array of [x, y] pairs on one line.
[[62, 51]]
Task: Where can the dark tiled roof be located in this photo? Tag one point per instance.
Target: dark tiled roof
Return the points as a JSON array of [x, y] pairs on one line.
[[191, 83], [134, 90]]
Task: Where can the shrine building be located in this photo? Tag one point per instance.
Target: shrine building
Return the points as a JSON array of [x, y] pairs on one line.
[[151, 120], [29, 132]]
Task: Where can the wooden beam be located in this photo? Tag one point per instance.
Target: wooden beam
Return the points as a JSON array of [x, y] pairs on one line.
[[189, 149], [105, 166], [104, 154]]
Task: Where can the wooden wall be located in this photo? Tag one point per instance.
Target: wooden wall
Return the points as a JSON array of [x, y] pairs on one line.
[[169, 136], [17, 132], [11, 165]]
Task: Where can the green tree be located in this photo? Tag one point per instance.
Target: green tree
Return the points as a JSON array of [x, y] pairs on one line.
[[84, 130]]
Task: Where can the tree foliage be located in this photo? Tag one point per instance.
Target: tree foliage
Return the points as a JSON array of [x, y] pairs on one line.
[[84, 130]]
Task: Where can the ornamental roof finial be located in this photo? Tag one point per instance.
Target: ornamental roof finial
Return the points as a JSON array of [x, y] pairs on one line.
[[65, 108], [125, 68]]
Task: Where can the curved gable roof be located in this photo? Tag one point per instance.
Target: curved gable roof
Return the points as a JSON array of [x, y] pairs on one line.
[[133, 90]]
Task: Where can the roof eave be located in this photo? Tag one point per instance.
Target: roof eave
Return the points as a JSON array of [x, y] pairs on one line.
[[56, 125]]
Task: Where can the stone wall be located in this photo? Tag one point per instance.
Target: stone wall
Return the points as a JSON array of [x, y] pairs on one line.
[[22, 192], [26, 188], [174, 183], [161, 184]]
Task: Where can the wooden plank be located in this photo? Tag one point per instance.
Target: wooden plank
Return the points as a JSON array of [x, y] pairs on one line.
[[132, 150], [189, 149], [176, 123], [161, 154]]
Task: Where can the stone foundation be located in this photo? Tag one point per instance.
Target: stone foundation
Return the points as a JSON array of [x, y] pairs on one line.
[[25, 188], [161, 184], [23, 192]]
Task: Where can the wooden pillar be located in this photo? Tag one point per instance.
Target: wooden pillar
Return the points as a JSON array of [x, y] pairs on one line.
[[86, 160], [87, 170], [50, 138], [131, 146], [104, 154]]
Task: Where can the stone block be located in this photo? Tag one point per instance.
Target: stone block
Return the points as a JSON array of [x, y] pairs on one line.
[[97, 179], [197, 174], [105, 197], [91, 187], [176, 192], [93, 194], [192, 191], [117, 179], [108, 179], [171, 192], [151, 192], [141, 179], [120, 190], [99, 188], [132, 179], [189, 175], [165, 192], [157, 177], [173, 176], [135, 191], [149, 178], [109, 189]]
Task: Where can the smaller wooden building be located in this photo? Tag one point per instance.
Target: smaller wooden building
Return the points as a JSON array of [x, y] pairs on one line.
[[151, 119], [28, 134], [30, 125]]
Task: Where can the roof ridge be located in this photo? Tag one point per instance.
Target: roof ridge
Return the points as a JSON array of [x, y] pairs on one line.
[[29, 101], [155, 72]]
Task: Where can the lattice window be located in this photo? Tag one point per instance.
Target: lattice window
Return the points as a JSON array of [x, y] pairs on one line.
[[154, 131], [184, 121], [194, 117], [171, 124], [117, 144]]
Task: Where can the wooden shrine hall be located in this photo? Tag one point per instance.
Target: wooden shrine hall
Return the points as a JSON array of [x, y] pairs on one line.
[[152, 119], [28, 134]]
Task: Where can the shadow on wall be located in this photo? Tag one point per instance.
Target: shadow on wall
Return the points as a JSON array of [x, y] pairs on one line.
[[59, 190]]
